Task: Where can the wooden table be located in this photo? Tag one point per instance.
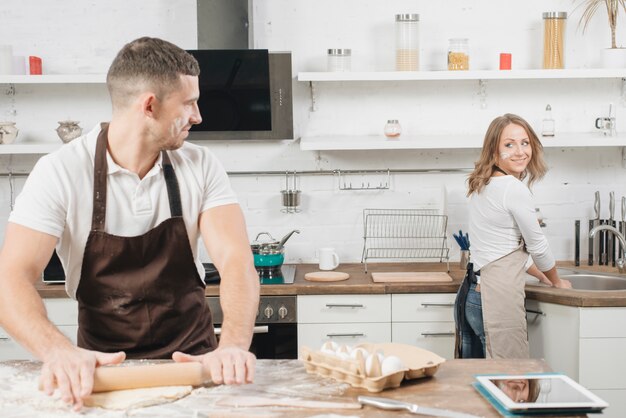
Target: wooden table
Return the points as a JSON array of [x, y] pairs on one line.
[[450, 388]]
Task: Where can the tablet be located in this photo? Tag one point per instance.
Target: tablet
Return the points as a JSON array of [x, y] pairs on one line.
[[540, 392]]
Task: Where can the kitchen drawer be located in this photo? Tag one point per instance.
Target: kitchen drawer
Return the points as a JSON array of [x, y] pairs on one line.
[[437, 337], [422, 307], [602, 322], [11, 350], [324, 309], [314, 335], [62, 311], [616, 400]]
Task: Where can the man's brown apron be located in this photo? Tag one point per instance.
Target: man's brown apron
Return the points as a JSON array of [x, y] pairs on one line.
[[141, 294], [502, 296]]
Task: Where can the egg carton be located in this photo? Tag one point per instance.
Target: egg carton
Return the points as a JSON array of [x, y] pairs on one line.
[[419, 363]]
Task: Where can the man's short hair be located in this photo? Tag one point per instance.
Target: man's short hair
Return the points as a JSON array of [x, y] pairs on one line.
[[148, 64]]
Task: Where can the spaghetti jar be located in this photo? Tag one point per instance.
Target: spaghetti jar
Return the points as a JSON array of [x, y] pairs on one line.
[[339, 59], [554, 39], [392, 128], [407, 42], [458, 54]]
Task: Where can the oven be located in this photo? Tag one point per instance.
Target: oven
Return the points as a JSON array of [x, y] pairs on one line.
[[275, 329], [276, 326]]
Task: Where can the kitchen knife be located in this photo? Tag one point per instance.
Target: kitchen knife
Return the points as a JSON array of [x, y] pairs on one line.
[[393, 405], [622, 224], [610, 239], [577, 242]]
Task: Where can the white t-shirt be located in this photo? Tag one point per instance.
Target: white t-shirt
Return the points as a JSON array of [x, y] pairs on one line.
[[499, 216], [57, 198]]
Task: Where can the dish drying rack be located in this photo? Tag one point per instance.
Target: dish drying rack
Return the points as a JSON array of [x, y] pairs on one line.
[[404, 234]]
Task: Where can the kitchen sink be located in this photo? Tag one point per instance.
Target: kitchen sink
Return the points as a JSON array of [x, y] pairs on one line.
[[585, 280]]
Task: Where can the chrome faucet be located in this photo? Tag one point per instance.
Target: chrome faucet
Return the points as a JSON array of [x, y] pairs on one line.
[[621, 262]]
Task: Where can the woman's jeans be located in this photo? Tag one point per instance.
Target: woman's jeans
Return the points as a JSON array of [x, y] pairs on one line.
[[473, 336]]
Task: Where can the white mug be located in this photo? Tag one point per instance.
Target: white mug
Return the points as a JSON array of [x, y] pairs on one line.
[[329, 260]]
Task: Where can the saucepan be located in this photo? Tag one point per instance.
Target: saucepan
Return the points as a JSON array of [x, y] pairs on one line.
[[269, 252]]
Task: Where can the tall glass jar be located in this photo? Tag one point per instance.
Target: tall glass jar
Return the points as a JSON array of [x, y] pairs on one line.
[[339, 59], [554, 40], [458, 54], [407, 42]]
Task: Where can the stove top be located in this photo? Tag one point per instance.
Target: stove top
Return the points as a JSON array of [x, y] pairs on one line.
[[283, 275]]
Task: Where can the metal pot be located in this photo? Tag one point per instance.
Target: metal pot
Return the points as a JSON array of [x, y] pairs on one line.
[[267, 252]]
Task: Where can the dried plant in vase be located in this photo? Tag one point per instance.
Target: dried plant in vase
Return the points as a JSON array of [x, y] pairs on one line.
[[613, 57]]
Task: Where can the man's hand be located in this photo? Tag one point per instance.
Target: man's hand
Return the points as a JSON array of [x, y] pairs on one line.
[[71, 369], [229, 365], [562, 284]]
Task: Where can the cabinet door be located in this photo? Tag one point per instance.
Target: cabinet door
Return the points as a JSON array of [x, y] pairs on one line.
[[553, 335], [437, 337], [314, 335], [326, 309], [426, 307], [11, 350], [602, 364], [616, 400]]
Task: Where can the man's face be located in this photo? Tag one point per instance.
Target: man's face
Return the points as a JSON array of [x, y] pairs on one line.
[[178, 111]]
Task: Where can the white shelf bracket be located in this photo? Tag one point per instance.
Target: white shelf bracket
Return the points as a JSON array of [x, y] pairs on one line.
[[482, 93], [623, 93], [623, 157]]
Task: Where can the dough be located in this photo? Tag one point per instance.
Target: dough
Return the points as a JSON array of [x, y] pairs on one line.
[[137, 398]]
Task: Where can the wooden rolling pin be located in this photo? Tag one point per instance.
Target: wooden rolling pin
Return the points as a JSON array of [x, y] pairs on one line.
[[110, 378]]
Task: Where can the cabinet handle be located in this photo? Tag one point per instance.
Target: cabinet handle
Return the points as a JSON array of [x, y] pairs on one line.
[[437, 334], [532, 311], [354, 335], [446, 305], [346, 305], [5, 339]]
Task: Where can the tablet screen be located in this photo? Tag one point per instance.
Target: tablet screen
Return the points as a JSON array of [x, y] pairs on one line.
[[548, 391]]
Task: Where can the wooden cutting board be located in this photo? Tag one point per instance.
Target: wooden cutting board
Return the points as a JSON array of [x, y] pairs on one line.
[[411, 276], [326, 276]]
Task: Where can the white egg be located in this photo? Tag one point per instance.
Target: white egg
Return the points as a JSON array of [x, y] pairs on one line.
[[328, 351], [372, 365], [343, 356], [392, 364], [343, 349], [330, 345], [356, 350]]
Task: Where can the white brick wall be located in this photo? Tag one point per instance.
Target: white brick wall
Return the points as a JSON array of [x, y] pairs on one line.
[[331, 217]]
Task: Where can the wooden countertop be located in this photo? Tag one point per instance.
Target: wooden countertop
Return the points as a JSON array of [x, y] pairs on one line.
[[361, 283], [450, 388]]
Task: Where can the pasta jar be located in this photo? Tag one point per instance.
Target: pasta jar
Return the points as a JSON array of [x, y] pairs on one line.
[[554, 39], [407, 42], [339, 59], [458, 54], [393, 128]]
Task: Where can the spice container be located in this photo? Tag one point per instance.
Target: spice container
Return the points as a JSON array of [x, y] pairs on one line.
[[554, 39], [547, 123], [393, 128], [458, 54], [339, 59], [407, 42]]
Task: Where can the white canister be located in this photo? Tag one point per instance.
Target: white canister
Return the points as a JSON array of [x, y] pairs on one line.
[[329, 260], [6, 59], [339, 60]]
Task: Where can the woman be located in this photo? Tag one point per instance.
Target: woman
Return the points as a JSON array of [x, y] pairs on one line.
[[489, 310]]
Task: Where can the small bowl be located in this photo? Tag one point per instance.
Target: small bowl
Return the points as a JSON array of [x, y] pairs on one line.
[[68, 130]]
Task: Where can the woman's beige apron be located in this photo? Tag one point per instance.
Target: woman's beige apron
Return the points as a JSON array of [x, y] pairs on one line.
[[502, 296]]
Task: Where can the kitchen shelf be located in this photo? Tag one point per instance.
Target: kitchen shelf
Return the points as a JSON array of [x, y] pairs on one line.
[[30, 148], [54, 79], [426, 141], [461, 75]]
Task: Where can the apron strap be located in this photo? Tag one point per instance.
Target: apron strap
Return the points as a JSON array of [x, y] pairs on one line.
[[100, 180], [173, 191]]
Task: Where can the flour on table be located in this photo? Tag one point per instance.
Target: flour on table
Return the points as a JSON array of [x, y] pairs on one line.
[[137, 398]]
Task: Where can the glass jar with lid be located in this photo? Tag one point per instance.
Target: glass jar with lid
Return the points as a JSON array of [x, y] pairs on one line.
[[554, 40], [458, 54], [339, 59], [407, 42], [393, 128]]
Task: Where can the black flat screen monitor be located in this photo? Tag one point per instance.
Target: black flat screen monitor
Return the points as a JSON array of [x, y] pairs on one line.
[[234, 90]]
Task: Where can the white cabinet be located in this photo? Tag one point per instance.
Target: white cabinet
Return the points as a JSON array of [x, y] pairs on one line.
[[62, 312], [424, 320], [346, 319], [588, 344]]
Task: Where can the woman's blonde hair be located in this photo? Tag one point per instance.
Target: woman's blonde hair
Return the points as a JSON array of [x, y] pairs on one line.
[[484, 167]]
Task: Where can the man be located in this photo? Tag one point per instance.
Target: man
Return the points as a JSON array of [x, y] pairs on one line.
[[125, 205]]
